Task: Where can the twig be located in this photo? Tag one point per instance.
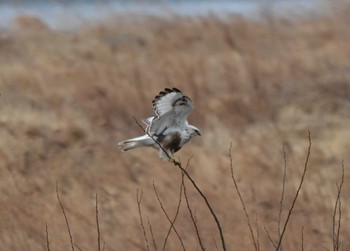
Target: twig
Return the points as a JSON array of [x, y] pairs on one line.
[[337, 207], [191, 214], [65, 217], [207, 203], [338, 230], [242, 202], [153, 240], [257, 232], [47, 238], [302, 238], [177, 211], [76, 245], [216, 246], [296, 194], [170, 221], [268, 235], [138, 200], [178, 164], [283, 189], [98, 227]]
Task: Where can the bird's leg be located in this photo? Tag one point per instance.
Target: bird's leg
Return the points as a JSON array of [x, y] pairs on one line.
[[172, 159]]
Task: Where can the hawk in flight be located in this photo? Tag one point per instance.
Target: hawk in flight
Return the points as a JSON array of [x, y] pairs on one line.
[[169, 127]]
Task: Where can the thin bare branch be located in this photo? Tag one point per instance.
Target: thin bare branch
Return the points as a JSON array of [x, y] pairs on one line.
[[98, 227], [172, 226], [178, 164], [339, 224], [191, 214], [268, 235], [76, 245], [242, 202], [138, 200], [65, 217], [216, 246], [47, 238], [257, 232], [302, 238], [337, 211], [208, 205], [177, 209], [151, 231], [282, 193], [296, 194]]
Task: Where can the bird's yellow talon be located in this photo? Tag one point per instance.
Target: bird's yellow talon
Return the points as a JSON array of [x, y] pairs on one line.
[[172, 159]]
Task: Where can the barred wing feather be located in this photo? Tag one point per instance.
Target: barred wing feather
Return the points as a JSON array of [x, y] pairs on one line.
[[171, 108], [164, 101]]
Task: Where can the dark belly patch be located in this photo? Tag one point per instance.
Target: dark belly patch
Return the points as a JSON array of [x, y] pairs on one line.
[[172, 142]]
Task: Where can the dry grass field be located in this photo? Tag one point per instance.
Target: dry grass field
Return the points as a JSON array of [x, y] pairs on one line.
[[67, 98]]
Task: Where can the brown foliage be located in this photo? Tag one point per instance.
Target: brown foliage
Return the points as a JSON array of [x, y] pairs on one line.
[[67, 98]]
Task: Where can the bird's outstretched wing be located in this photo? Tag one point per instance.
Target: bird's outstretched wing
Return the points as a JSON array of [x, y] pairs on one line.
[[164, 101], [171, 108]]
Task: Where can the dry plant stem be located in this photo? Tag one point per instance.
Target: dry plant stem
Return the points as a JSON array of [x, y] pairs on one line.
[[207, 203], [98, 227], [177, 164], [257, 232], [78, 247], [151, 231], [138, 200], [170, 221], [47, 238], [337, 211], [302, 238], [242, 202], [192, 217], [216, 246], [338, 243], [177, 211], [282, 193], [269, 236], [65, 217], [296, 194]]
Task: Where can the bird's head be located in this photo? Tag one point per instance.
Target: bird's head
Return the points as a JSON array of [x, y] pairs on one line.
[[194, 131]]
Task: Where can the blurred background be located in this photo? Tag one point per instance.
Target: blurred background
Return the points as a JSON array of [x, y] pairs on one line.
[[64, 14], [260, 73]]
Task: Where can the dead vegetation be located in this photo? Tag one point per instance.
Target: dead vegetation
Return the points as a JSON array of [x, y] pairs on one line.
[[68, 97]]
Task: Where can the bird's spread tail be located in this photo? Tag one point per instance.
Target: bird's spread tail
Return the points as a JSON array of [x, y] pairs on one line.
[[135, 142]]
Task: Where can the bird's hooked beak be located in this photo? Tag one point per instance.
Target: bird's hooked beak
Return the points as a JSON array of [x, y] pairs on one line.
[[198, 133]]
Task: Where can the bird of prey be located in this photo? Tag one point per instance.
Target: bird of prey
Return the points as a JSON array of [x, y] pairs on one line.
[[168, 130]]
